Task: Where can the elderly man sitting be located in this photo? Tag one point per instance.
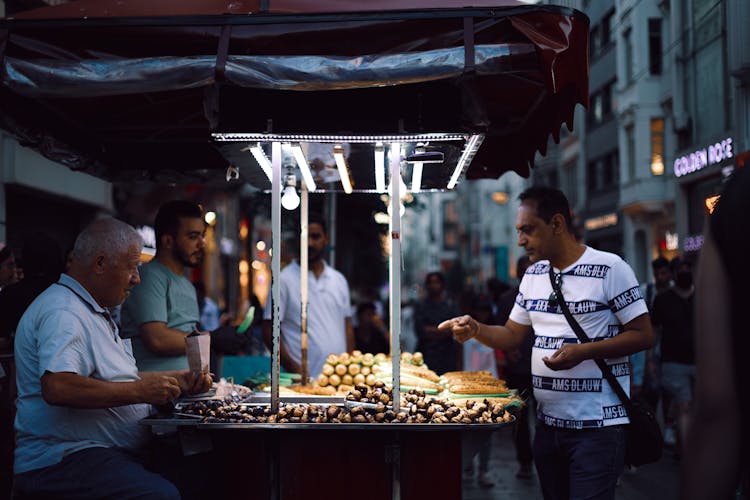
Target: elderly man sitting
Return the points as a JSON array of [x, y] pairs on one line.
[[80, 395]]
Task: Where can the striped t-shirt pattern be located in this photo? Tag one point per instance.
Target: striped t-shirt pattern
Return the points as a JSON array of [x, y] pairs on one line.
[[602, 292]]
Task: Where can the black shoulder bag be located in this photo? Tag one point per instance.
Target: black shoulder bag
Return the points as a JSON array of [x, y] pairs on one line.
[[644, 441]]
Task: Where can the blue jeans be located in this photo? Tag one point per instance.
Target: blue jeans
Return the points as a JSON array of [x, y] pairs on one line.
[[96, 473], [579, 464]]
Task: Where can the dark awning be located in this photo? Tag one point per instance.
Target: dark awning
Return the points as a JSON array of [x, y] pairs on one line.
[[130, 90]]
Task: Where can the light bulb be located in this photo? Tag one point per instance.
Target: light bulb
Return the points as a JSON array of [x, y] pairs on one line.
[[401, 209], [290, 198]]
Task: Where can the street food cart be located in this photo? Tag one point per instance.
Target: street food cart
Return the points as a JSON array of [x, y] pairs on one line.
[[429, 92]]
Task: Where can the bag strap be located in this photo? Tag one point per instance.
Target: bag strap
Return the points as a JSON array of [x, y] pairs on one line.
[[606, 371]]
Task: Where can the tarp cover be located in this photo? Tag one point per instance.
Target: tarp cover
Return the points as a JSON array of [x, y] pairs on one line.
[[132, 89]]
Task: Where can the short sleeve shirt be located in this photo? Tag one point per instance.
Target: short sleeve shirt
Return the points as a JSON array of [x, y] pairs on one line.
[[65, 330], [329, 304], [603, 294], [165, 297]]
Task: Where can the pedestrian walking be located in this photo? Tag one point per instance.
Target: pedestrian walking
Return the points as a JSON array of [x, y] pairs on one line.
[[673, 317], [440, 350]]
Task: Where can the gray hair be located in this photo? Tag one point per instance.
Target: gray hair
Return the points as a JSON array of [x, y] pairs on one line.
[[107, 236]]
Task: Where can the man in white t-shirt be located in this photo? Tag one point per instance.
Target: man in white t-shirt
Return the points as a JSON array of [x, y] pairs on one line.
[[579, 447], [329, 324]]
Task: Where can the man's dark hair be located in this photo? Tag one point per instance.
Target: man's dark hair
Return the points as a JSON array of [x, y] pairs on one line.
[[549, 201], [316, 218], [678, 262], [659, 263], [437, 274], [169, 215]]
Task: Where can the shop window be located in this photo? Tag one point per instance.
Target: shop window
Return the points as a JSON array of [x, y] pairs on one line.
[[657, 146], [654, 46]]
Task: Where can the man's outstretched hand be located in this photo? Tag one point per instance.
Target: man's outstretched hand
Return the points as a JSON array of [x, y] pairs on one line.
[[462, 327]]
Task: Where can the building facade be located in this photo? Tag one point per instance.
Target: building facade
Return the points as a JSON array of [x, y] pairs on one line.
[[667, 123]]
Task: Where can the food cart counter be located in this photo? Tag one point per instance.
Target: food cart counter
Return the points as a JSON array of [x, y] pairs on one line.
[[312, 460]]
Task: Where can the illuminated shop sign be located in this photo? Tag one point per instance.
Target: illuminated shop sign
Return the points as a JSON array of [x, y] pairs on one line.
[[693, 243], [600, 222], [710, 203], [698, 160], [671, 241]]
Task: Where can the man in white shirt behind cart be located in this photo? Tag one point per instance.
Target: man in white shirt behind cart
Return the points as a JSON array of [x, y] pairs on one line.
[[329, 324]]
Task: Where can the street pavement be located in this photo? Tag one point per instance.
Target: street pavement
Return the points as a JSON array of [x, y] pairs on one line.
[[654, 481]]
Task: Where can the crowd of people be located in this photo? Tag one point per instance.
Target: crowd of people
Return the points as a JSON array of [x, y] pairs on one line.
[[86, 378]]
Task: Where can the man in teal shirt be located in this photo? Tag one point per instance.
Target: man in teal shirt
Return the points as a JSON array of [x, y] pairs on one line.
[[164, 308]]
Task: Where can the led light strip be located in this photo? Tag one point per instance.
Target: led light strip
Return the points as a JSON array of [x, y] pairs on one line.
[[261, 158], [299, 155], [416, 177], [468, 153], [379, 167], [338, 155], [247, 137]]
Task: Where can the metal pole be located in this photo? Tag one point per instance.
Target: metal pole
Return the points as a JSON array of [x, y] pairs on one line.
[[304, 266], [275, 271], [395, 276]]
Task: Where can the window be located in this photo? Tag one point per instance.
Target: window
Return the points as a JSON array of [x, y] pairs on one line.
[[605, 30], [594, 42], [592, 176], [607, 100], [627, 39], [600, 36], [657, 146], [610, 175], [603, 172], [570, 183], [712, 91], [630, 145], [654, 46], [596, 112], [601, 105]]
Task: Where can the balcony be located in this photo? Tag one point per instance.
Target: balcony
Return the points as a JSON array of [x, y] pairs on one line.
[[650, 195]]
